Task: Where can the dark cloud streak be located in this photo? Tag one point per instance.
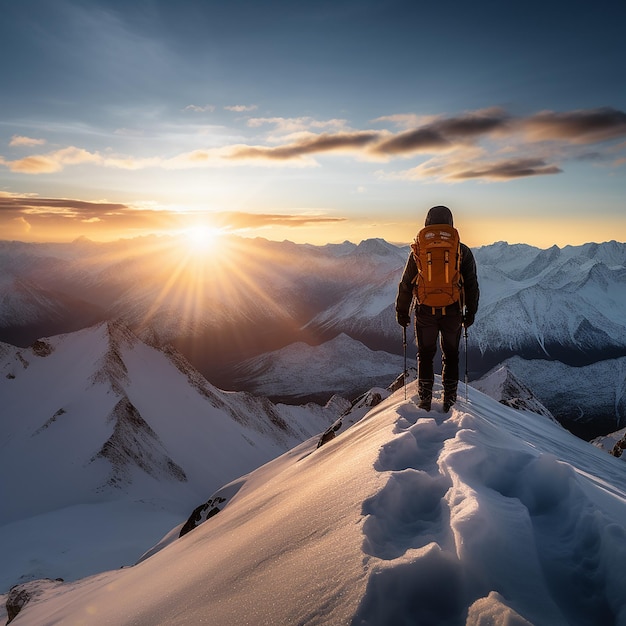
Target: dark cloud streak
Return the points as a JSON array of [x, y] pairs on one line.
[[325, 142], [238, 220], [444, 134], [585, 126], [508, 170], [19, 214], [26, 204]]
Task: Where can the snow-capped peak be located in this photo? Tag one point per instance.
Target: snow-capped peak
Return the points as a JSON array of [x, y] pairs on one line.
[[502, 385], [97, 425]]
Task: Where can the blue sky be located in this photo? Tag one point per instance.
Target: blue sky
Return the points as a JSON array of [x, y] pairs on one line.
[[314, 122]]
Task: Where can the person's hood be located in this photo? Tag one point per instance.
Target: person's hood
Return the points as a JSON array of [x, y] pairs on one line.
[[439, 215]]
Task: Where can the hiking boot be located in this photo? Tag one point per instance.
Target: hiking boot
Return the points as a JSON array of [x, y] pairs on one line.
[[447, 405], [449, 395], [425, 404], [425, 391]]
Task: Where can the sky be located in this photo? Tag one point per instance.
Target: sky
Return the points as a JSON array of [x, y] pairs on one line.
[[313, 122]]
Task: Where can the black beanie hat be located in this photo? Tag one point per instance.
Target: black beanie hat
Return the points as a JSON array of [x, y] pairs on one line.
[[439, 215]]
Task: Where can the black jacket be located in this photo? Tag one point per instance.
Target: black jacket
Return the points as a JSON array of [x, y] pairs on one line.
[[470, 283]]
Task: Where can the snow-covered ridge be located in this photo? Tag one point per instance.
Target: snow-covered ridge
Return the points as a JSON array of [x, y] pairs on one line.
[[486, 514], [100, 430], [592, 397], [502, 385], [341, 365]]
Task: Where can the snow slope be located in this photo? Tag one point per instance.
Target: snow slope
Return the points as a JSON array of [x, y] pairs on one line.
[[485, 515], [107, 442], [301, 370], [589, 400], [504, 387]]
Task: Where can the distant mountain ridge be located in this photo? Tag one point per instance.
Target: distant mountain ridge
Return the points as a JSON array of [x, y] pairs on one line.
[[561, 302], [589, 400], [339, 366], [566, 304]]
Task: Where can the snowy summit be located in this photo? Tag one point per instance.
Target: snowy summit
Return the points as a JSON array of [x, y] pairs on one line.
[[484, 515]]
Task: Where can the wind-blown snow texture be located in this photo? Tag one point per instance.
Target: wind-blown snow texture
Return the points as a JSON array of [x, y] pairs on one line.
[[485, 515]]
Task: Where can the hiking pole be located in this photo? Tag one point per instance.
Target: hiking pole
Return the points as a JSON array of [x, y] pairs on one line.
[[465, 333], [404, 348]]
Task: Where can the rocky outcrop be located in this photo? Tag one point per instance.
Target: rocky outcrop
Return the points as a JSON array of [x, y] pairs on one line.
[[619, 447], [502, 385], [20, 595], [42, 348], [111, 367], [201, 514], [134, 444]]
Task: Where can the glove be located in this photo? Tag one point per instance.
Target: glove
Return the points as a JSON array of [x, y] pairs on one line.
[[404, 319], [468, 319]]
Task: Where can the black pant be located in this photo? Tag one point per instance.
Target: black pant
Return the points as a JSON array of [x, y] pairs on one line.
[[428, 327]]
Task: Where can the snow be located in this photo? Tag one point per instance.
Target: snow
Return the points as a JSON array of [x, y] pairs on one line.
[[550, 296], [484, 515], [570, 388], [302, 370], [69, 509]]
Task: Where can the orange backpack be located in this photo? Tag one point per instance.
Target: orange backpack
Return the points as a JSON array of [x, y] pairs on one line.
[[437, 253]]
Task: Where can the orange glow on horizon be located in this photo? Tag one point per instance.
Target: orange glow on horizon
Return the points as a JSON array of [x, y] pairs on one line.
[[202, 230], [202, 276]]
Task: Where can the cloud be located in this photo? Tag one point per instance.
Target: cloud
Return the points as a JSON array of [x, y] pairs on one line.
[[472, 144], [22, 225], [413, 141], [31, 215], [207, 108], [453, 170], [241, 108], [34, 205], [405, 120], [18, 140], [52, 162], [50, 219], [131, 163], [507, 170], [445, 134], [582, 126], [311, 144], [228, 156], [290, 125], [235, 220]]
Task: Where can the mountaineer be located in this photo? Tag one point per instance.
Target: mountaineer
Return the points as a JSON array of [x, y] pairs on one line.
[[440, 280]]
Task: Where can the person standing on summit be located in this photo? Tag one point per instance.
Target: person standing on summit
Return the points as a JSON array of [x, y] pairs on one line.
[[440, 279]]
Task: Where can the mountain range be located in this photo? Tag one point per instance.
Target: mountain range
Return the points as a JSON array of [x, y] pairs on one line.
[[232, 312]]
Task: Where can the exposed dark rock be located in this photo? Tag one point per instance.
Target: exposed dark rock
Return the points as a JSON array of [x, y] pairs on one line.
[[510, 391], [134, 444], [20, 595], [329, 433], [42, 348], [50, 421], [201, 514], [619, 447]]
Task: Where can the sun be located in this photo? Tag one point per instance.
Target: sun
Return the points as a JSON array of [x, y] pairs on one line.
[[202, 239]]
